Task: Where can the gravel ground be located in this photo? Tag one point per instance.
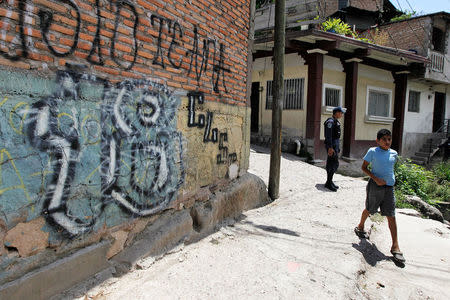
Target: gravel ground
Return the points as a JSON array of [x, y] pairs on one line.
[[301, 246]]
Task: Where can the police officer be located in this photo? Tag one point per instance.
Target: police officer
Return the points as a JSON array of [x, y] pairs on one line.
[[332, 136]]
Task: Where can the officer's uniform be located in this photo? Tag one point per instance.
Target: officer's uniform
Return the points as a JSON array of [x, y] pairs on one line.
[[332, 136]]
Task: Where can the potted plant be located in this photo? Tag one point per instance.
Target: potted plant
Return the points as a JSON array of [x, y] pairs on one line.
[[337, 26]]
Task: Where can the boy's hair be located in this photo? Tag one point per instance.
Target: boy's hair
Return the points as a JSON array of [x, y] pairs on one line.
[[383, 132]]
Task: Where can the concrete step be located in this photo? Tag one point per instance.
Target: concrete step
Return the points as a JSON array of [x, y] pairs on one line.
[[418, 162], [423, 154], [427, 149], [419, 158]]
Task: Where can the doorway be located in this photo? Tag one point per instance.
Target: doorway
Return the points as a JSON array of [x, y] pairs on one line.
[[439, 111], [254, 102]]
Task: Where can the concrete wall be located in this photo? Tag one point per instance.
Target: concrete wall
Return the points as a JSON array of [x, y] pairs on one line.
[[422, 121], [111, 112], [294, 121]]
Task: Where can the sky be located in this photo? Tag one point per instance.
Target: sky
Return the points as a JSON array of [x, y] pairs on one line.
[[423, 6]]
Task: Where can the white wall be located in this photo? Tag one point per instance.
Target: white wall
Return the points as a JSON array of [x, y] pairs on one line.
[[421, 122]]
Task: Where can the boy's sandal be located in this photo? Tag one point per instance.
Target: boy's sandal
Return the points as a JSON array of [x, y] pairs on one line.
[[398, 256], [361, 233]]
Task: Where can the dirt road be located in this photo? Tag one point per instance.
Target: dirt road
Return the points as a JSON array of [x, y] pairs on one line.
[[301, 246]]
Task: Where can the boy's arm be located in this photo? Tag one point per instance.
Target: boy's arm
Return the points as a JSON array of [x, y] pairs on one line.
[[377, 180]]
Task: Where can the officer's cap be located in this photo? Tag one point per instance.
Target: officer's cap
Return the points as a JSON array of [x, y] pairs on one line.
[[339, 109]]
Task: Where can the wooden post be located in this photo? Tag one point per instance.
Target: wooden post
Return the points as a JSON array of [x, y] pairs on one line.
[[277, 103], [401, 82], [351, 84], [315, 77]]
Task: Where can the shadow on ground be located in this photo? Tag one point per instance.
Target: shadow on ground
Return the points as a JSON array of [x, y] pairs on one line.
[[371, 253]]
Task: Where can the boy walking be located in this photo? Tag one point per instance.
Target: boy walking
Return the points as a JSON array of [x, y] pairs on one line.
[[380, 188]]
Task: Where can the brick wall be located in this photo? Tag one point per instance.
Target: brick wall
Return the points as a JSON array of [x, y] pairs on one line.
[[370, 5], [134, 39], [331, 6], [407, 35]]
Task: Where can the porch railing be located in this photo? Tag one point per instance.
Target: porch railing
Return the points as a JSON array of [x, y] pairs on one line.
[[437, 61], [442, 133]]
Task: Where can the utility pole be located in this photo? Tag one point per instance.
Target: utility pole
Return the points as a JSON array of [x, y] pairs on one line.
[[277, 102]]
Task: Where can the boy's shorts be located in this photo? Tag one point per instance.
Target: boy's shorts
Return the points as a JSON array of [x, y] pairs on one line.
[[382, 197]]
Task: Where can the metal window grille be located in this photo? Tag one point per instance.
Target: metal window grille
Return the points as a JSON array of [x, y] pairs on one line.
[[293, 94], [332, 97], [414, 101], [378, 104], [342, 4]]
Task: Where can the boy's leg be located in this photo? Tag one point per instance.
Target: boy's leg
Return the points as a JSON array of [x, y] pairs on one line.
[[388, 209], [364, 215], [393, 228]]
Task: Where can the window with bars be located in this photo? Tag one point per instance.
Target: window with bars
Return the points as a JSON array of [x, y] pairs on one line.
[[342, 4], [414, 101], [293, 94], [379, 103], [332, 96]]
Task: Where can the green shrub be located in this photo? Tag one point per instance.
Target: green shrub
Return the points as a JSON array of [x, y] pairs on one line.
[[412, 179], [405, 15], [442, 172], [432, 186]]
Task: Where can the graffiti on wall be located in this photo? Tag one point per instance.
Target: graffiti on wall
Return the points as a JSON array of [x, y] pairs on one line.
[[210, 134], [19, 14], [123, 151], [92, 146]]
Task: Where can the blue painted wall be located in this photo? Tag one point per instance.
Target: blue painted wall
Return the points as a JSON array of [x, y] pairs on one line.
[[84, 152]]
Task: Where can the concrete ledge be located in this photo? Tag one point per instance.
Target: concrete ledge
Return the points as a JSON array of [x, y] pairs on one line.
[[58, 276], [168, 230], [248, 192]]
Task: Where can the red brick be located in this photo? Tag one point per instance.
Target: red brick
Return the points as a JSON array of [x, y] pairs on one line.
[[88, 18], [106, 70], [67, 21], [129, 23], [161, 74], [86, 37], [106, 33], [125, 40], [174, 84], [40, 57], [62, 29], [145, 54], [85, 6], [52, 5], [147, 71], [182, 8], [107, 15], [147, 5], [150, 47], [144, 38], [80, 54], [130, 74], [4, 13]]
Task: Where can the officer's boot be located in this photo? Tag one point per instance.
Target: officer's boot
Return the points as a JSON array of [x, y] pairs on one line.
[[333, 184], [329, 183]]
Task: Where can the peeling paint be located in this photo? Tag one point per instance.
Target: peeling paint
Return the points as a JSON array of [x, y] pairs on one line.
[[120, 238], [28, 238]]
